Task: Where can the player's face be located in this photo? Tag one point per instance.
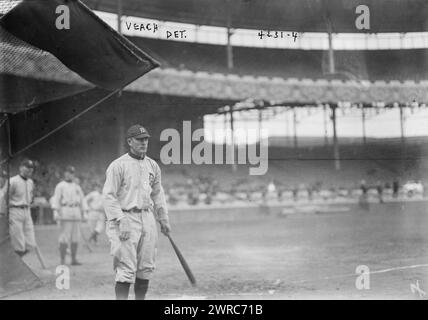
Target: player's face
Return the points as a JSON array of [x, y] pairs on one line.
[[68, 176], [26, 172], [138, 145]]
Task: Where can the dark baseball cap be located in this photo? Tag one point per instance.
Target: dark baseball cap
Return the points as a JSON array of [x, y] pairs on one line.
[[137, 130], [27, 163], [70, 169]]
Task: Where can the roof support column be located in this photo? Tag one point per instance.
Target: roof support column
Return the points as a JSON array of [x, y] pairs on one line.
[[325, 125], [402, 123], [335, 140], [260, 125], [232, 140], [229, 49], [120, 116], [295, 128], [331, 64], [363, 118]]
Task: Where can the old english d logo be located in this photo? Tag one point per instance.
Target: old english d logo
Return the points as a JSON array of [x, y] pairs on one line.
[[151, 178], [142, 130]]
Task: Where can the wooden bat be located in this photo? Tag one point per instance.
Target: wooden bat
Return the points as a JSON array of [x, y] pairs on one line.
[[183, 262], [85, 241], [40, 257]]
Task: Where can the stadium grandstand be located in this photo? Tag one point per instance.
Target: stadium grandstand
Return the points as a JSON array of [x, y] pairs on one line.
[[306, 73]]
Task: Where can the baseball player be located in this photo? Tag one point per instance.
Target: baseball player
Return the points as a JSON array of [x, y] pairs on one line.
[[3, 191], [21, 228], [69, 207], [133, 200], [96, 216]]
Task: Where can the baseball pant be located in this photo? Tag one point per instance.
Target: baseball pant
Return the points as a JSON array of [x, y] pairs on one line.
[[135, 257], [97, 221], [21, 229], [70, 224]]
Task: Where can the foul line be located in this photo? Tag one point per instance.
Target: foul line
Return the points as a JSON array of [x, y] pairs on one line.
[[368, 273]]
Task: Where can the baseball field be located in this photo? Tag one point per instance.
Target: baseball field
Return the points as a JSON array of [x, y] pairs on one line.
[[249, 253]]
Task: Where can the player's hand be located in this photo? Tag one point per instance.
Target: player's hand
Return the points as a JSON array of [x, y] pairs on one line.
[[124, 229], [165, 227]]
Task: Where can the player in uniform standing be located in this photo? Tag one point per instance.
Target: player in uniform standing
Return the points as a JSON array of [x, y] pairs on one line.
[[69, 208], [3, 191], [133, 200], [96, 215], [21, 226], [4, 225]]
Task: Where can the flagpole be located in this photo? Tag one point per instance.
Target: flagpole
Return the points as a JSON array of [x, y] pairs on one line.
[[121, 116]]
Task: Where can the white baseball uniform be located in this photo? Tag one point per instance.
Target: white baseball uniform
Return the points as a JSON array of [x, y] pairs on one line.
[[96, 216], [69, 201], [3, 207], [21, 226], [133, 189]]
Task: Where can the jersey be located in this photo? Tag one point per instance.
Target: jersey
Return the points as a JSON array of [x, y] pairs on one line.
[[68, 194], [21, 191], [133, 184], [94, 201]]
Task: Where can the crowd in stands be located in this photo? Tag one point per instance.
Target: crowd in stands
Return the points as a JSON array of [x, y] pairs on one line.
[[190, 188], [287, 63]]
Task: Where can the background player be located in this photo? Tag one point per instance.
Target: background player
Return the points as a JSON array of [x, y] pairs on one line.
[[21, 193], [96, 215], [3, 190], [69, 208]]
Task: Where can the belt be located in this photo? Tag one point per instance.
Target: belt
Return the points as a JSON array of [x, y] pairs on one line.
[[71, 205], [24, 206], [134, 210]]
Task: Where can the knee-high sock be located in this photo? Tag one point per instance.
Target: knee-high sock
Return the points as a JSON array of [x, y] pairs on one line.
[[140, 288], [62, 252], [122, 290], [73, 248]]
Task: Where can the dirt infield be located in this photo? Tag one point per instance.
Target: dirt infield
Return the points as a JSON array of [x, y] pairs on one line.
[[267, 256]]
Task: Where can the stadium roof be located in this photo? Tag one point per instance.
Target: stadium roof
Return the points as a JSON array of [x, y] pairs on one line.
[[285, 15]]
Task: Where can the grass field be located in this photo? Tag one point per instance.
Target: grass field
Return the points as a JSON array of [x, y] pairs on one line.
[[266, 256]]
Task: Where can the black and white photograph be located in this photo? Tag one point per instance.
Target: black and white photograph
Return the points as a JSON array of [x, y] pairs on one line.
[[189, 150]]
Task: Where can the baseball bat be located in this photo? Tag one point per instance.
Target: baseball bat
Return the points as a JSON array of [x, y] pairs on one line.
[[183, 262], [40, 257], [85, 241]]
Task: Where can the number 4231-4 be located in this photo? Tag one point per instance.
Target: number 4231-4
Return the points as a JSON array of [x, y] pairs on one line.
[[277, 34]]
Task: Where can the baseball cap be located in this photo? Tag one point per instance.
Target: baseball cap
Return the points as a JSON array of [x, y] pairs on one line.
[[137, 130], [27, 163], [70, 169]]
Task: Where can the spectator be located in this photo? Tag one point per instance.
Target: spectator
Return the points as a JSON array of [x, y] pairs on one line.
[[363, 201], [379, 188], [395, 188]]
